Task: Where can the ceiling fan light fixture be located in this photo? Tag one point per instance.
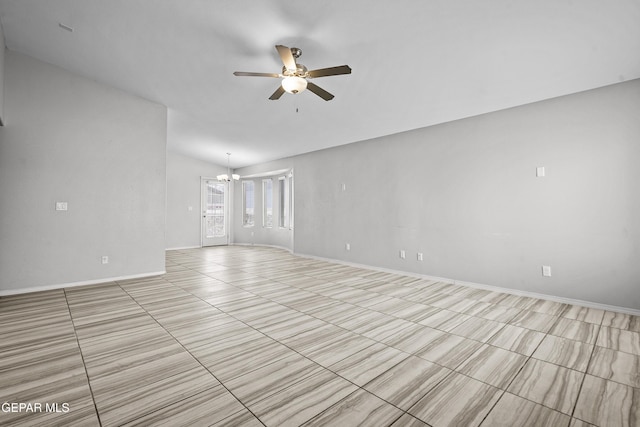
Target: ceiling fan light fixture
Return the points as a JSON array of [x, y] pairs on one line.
[[294, 84]]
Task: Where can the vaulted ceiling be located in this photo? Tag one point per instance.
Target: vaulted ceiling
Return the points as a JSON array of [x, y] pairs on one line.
[[415, 63]]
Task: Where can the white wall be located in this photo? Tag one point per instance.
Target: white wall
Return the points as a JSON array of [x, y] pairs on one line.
[[2, 49], [99, 149], [466, 195], [183, 191], [274, 236]]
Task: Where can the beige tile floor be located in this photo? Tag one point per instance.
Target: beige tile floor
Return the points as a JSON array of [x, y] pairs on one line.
[[251, 336]]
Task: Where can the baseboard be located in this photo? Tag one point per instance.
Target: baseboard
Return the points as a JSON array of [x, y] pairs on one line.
[[261, 244], [183, 247], [5, 292], [554, 298], [517, 292]]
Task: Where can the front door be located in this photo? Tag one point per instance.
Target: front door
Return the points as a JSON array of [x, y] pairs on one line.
[[215, 224]]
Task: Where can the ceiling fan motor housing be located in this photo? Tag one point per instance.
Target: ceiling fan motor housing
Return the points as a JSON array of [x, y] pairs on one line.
[[301, 71]]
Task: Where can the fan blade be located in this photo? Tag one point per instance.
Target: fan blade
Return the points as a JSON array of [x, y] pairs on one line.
[[319, 91], [277, 94], [244, 73], [331, 71], [287, 58]]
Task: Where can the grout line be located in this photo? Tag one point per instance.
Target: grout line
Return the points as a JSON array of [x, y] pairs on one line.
[[283, 344], [171, 376], [237, 266], [354, 305], [300, 354], [593, 350], [193, 356], [84, 365], [520, 370]]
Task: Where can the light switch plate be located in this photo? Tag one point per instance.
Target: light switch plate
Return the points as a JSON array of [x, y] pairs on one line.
[[540, 171]]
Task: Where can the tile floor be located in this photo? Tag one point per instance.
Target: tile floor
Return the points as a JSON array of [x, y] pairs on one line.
[[251, 336]]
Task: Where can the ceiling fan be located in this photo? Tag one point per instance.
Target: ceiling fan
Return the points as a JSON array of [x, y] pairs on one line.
[[295, 76]]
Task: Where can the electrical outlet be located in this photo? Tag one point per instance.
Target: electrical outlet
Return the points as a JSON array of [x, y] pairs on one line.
[[105, 259], [546, 270], [344, 187], [61, 206], [347, 246], [403, 254], [420, 256]]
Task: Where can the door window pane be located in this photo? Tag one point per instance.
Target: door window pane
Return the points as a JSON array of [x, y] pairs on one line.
[[215, 226]]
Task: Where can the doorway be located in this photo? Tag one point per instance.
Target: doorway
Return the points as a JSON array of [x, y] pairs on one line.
[[215, 217]]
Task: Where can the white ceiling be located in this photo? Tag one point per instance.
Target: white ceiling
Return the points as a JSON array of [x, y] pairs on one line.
[[415, 63]]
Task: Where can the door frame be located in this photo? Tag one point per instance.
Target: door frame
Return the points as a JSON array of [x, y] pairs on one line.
[[227, 212]]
